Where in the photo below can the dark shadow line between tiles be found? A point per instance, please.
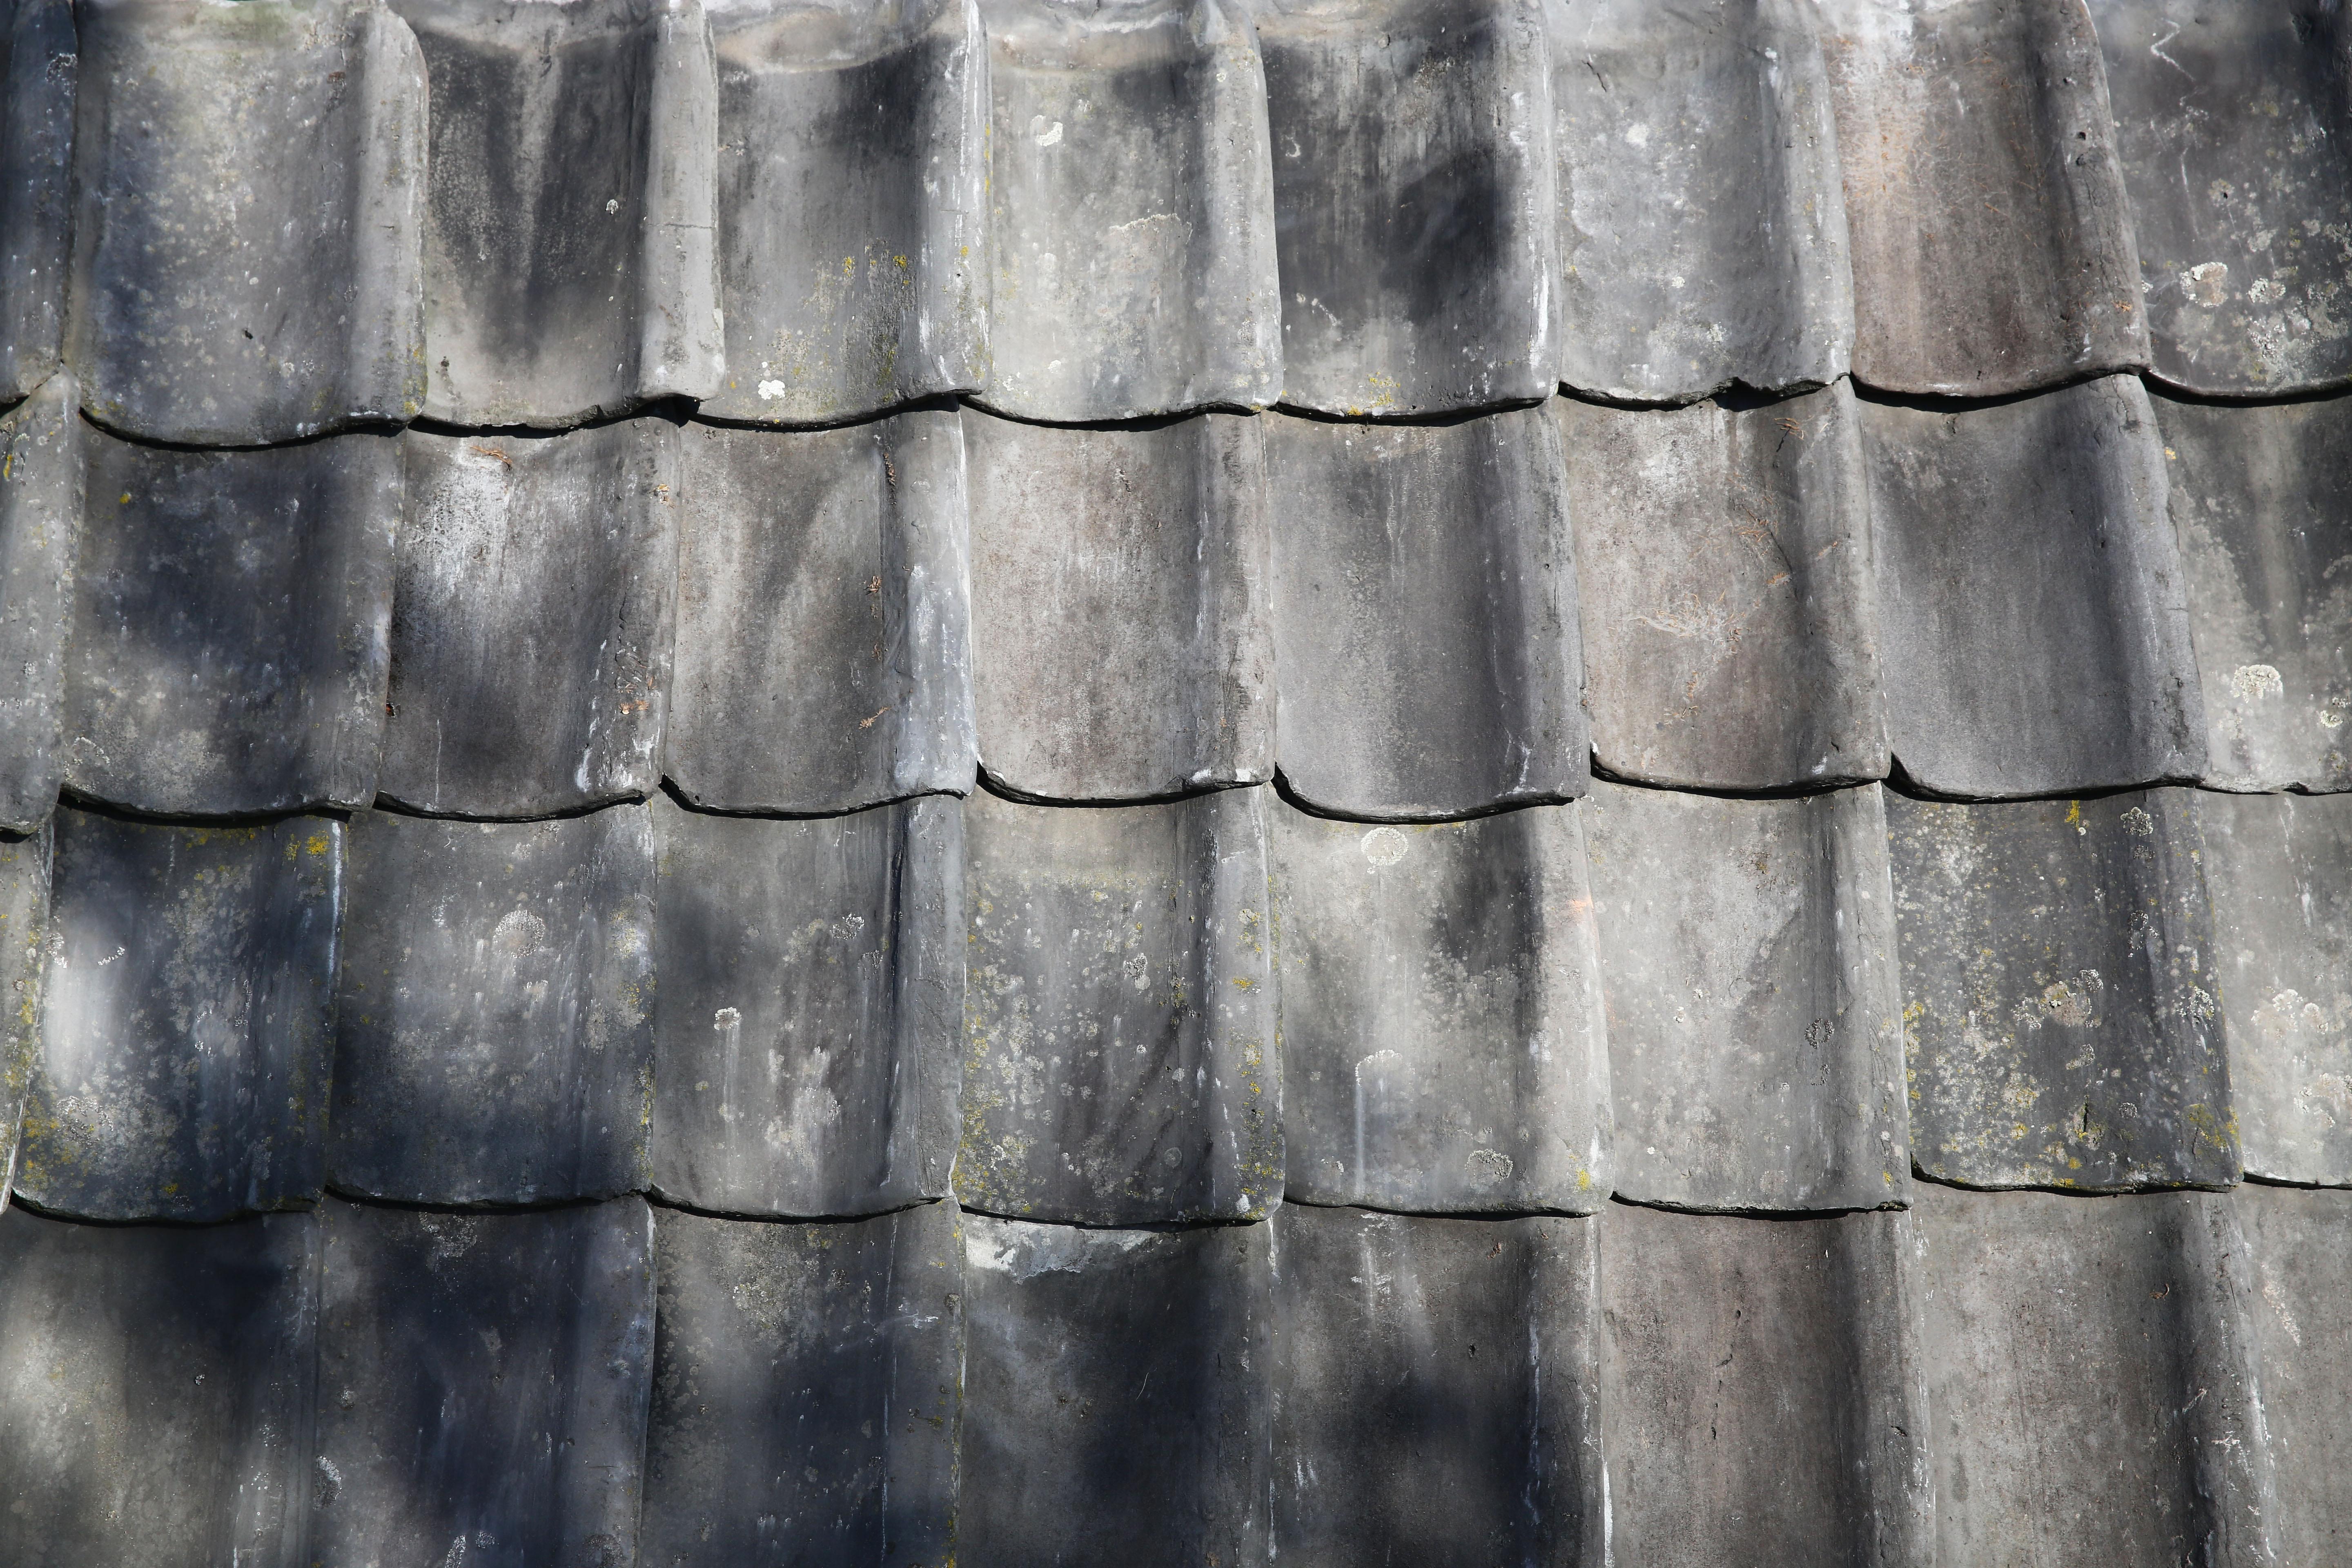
(17, 1200)
(1970, 403)
(2171, 392)
(1954, 1185)
(928, 402)
(1289, 796)
(1899, 781)
(1156, 1226)
(1657, 1205)
(991, 783)
(673, 407)
(1805, 790)
(2252, 1179)
(1731, 393)
(392, 805)
(1482, 1216)
(976, 403)
(489, 1207)
(92, 806)
(678, 798)
(1433, 419)
(662, 1200)
(388, 429)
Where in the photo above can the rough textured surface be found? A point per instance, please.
(824, 637)
(1132, 209)
(2058, 982)
(1424, 604)
(807, 1387)
(532, 620)
(482, 1386)
(1123, 1073)
(1727, 598)
(570, 268)
(230, 625)
(39, 62)
(1141, 663)
(187, 1014)
(2144, 1297)
(1992, 244)
(1702, 225)
(224, 290)
(1748, 964)
(1414, 203)
(2301, 1275)
(2280, 872)
(2232, 123)
(1117, 1394)
(156, 1392)
(808, 1024)
(40, 537)
(1764, 1398)
(1437, 1391)
(1441, 1044)
(495, 1041)
(2262, 505)
(2032, 601)
(852, 204)
(24, 938)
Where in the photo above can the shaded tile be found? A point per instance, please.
(808, 1024)
(2232, 123)
(1119, 1015)
(532, 620)
(39, 60)
(569, 264)
(483, 1381)
(1440, 1009)
(807, 1388)
(1702, 225)
(224, 291)
(2032, 607)
(1124, 648)
(24, 935)
(1438, 1390)
(187, 1019)
(1992, 244)
(231, 619)
(1131, 208)
(1412, 202)
(2300, 1276)
(494, 1041)
(1765, 1390)
(853, 167)
(156, 1385)
(2090, 1371)
(2261, 504)
(1729, 601)
(1424, 605)
(1117, 1394)
(824, 639)
(40, 541)
(1748, 958)
(2058, 994)
(2280, 870)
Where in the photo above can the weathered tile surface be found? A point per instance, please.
(39, 60)
(24, 937)
(1438, 1390)
(1992, 242)
(1117, 1394)
(569, 260)
(40, 535)
(2234, 126)
(1413, 202)
(532, 620)
(1748, 961)
(494, 1041)
(187, 1019)
(1131, 210)
(1124, 646)
(2058, 983)
(808, 1019)
(1763, 1393)
(1440, 1009)
(2280, 871)
(1120, 1062)
(2033, 607)
(2090, 1375)
(824, 635)
(225, 287)
(1701, 223)
(2262, 505)
(156, 1392)
(807, 1386)
(231, 619)
(1728, 602)
(851, 177)
(2301, 1274)
(1424, 605)
(483, 1382)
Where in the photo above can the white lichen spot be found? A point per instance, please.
(2206, 283)
(1637, 135)
(2138, 823)
(2265, 290)
(771, 390)
(1385, 846)
(1043, 135)
(2251, 681)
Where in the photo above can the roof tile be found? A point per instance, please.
(38, 58)
(40, 534)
